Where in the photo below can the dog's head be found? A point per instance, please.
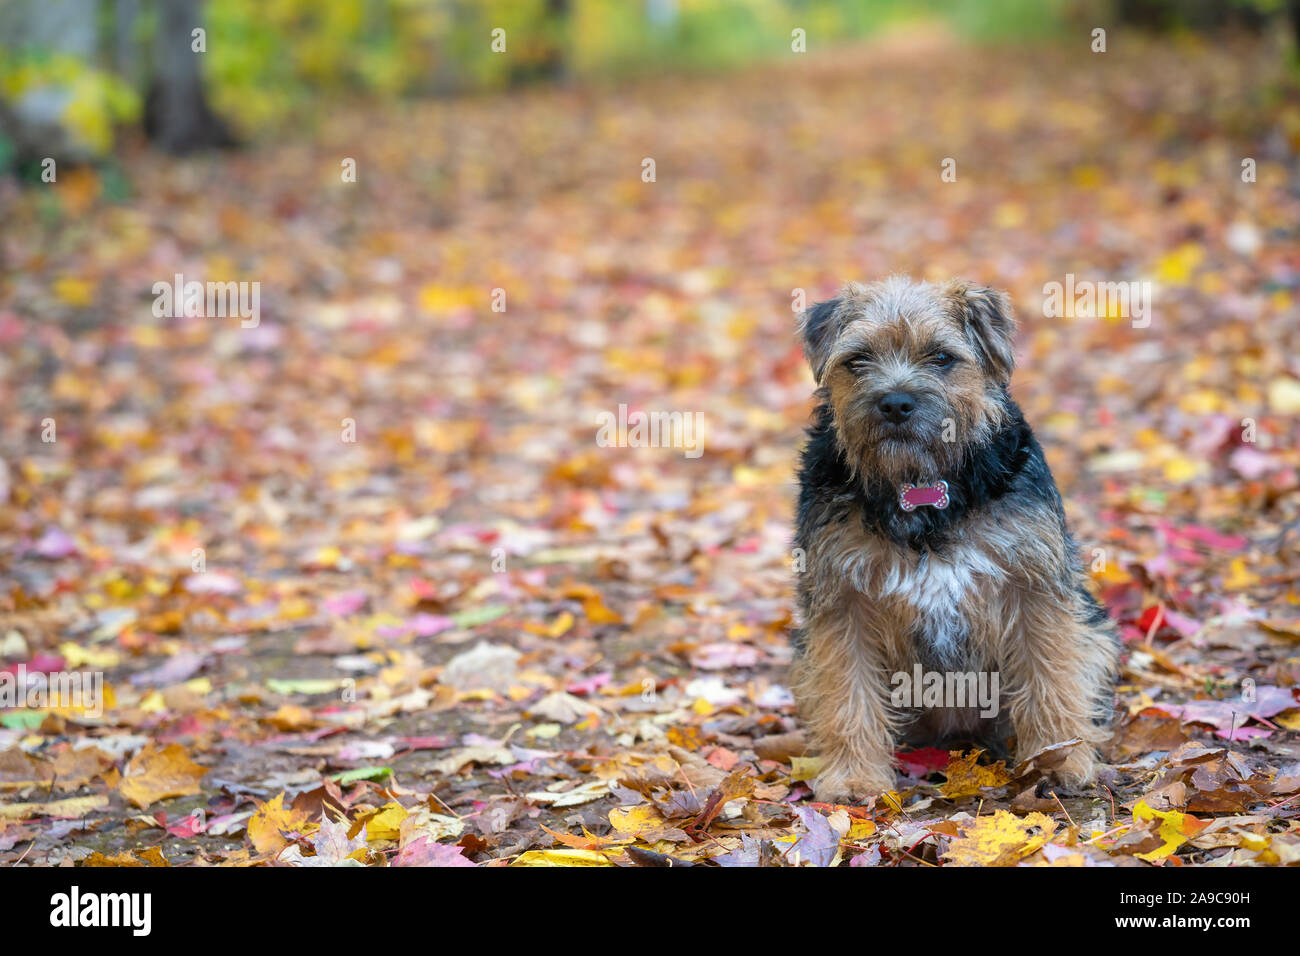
(915, 372)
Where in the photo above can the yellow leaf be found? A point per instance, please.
(1175, 828)
(1000, 839)
(62, 809)
(597, 613)
(266, 826)
(805, 768)
(438, 298)
(155, 774)
(387, 823)
(860, 829)
(147, 337)
(643, 822)
(74, 702)
(296, 608)
(1176, 267)
(966, 777)
(327, 556)
(634, 819)
(1087, 177)
(1112, 573)
(99, 658)
(1239, 576)
(560, 625)
(1284, 396)
(1201, 401)
(892, 800)
(198, 685)
(292, 717)
(1180, 469)
(566, 857)
(73, 291)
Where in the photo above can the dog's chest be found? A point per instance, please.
(932, 585)
(938, 593)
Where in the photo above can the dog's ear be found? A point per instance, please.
(990, 325)
(819, 327)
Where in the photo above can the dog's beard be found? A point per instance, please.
(915, 451)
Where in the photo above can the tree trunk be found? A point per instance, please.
(177, 117)
(127, 62)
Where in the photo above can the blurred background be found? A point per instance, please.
(465, 256)
(75, 74)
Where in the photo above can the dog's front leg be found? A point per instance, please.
(841, 690)
(1058, 665)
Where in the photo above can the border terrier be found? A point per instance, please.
(933, 533)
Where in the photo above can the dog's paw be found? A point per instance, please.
(1078, 769)
(841, 786)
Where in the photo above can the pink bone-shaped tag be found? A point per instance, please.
(910, 496)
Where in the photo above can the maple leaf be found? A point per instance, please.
(268, 826)
(1000, 839)
(156, 774)
(965, 776)
(425, 851)
(333, 848)
(565, 857)
(1175, 829)
(818, 845)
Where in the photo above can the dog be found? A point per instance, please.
(932, 533)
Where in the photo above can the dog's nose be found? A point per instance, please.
(896, 407)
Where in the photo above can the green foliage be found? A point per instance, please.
(268, 61)
(1013, 19)
(88, 101)
(269, 58)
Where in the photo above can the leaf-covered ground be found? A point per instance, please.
(473, 635)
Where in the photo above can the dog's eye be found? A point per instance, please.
(943, 359)
(858, 364)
